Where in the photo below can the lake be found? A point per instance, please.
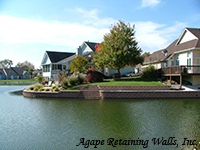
(58, 124)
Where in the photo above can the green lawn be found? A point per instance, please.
(129, 81)
(18, 80)
(125, 81)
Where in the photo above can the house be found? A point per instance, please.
(53, 62)
(181, 58)
(138, 69)
(14, 73)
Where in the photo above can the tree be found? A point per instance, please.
(146, 55)
(40, 78)
(6, 63)
(79, 64)
(119, 48)
(27, 65)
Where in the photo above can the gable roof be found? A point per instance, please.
(58, 56)
(175, 47)
(2, 72)
(14, 71)
(92, 45)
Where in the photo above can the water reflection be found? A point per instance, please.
(29, 123)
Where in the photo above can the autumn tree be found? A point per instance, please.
(146, 55)
(119, 48)
(79, 64)
(27, 65)
(6, 63)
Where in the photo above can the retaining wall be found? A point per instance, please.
(125, 92)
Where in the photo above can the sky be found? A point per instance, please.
(28, 28)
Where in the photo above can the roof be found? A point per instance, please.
(14, 71)
(92, 45)
(2, 72)
(58, 56)
(163, 54)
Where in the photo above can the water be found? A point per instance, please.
(58, 124)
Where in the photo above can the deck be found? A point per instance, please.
(181, 70)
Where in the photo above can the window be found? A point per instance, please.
(189, 61)
(64, 67)
(46, 68)
(172, 63)
(56, 67)
(177, 60)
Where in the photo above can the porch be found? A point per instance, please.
(180, 70)
(186, 71)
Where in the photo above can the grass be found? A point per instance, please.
(129, 81)
(125, 81)
(18, 80)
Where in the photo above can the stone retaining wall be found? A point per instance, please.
(130, 94)
(96, 92)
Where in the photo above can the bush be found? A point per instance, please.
(47, 89)
(94, 76)
(80, 79)
(38, 85)
(53, 87)
(35, 89)
(31, 88)
(41, 89)
(149, 72)
(73, 80)
(56, 89)
(65, 83)
(40, 78)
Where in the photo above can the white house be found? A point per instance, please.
(180, 58)
(53, 62)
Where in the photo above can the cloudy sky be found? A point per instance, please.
(30, 27)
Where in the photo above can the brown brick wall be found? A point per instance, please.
(128, 94)
(117, 92)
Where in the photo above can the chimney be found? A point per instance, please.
(79, 51)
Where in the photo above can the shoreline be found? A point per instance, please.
(18, 83)
(119, 92)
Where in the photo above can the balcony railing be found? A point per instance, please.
(183, 70)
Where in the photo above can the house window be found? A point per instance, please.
(56, 67)
(177, 60)
(172, 63)
(69, 63)
(46, 68)
(189, 62)
(64, 67)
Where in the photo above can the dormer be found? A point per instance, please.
(186, 36)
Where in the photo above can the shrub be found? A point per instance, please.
(38, 85)
(47, 89)
(149, 72)
(94, 76)
(53, 87)
(41, 89)
(56, 89)
(73, 80)
(80, 78)
(65, 83)
(40, 78)
(35, 89)
(31, 87)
